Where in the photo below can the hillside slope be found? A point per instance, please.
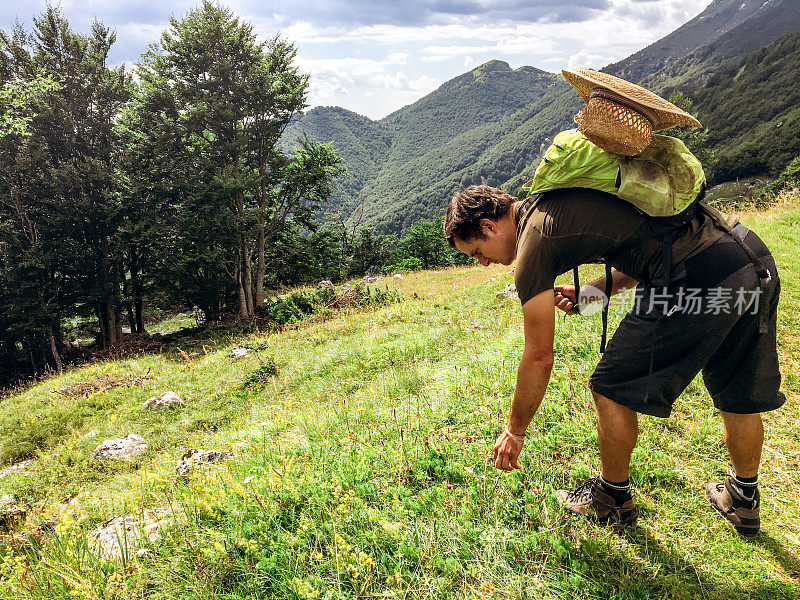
(382, 157)
(362, 143)
(358, 467)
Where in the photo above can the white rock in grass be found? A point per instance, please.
(509, 292)
(366, 280)
(239, 352)
(126, 448)
(7, 500)
(397, 276)
(14, 468)
(11, 516)
(165, 400)
(325, 283)
(195, 458)
(249, 479)
(122, 536)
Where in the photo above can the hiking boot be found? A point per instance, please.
(590, 499)
(731, 504)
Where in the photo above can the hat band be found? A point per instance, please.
(651, 116)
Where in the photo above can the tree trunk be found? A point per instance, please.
(261, 266)
(102, 319)
(247, 281)
(137, 291)
(137, 307)
(54, 350)
(30, 354)
(114, 326)
(240, 288)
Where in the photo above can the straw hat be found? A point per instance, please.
(620, 116)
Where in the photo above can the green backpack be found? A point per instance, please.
(662, 181)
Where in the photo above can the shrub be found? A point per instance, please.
(789, 177)
(403, 266)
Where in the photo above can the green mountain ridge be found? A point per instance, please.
(488, 124)
(693, 70)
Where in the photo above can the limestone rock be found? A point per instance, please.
(6, 500)
(11, 515)
(367, 279)
(397, 276)
(195, 457)
(325, 283)
(14, 468)
(165, 400)
(123, 535)
(126, 448)
(239, 352)
(509, 292)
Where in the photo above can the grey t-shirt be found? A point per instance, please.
(574, 226)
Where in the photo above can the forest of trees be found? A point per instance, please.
(160, 186)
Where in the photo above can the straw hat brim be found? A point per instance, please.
(662, 113)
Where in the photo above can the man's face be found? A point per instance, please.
(497, 245)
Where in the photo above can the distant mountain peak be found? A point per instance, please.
(492, 65)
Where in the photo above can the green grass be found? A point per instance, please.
(363, 439)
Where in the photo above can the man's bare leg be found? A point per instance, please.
(744, 438)
(608, 497)
(617, 432)
(736, 498)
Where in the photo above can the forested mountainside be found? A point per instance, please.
(375, 153)
(752, 111)
(406, 166)
(692, 71)
(729, 29)
(362, 143)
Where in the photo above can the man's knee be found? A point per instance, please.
(614, 414)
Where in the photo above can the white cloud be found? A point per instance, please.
(374, 57)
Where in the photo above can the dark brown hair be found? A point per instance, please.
(467, 208)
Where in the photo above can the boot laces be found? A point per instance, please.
(584, 490)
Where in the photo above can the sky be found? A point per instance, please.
(373, 57)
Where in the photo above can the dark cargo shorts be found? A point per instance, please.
(707, 320)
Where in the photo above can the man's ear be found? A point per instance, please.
(487, 225)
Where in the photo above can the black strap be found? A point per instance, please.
(576, 306)
(764, 276)
(667, 239)
(607, 300)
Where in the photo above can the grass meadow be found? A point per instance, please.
(360, 465)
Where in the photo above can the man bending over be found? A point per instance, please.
(716, 315)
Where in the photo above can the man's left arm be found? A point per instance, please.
(532, 377)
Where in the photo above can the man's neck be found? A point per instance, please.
(516, 207)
